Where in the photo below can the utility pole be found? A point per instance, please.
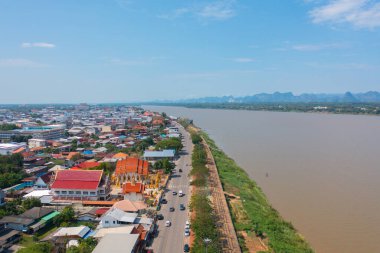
(207, 241)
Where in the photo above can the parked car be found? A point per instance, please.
(186, 248)
(171, 209)
(174, 193)
(182, 207)
(180, 170)
(187, 225)
(187, 232)
(160, 217)
(180, 193)
(168, 223)
(164, 201)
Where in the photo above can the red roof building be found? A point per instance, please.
(132, 165)
(87, 165)
(81, 184)
(129, 187)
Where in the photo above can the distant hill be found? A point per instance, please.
(289, 97)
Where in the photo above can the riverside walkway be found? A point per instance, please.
(226, 228)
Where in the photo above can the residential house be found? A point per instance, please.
(36, 143)
(112, 242)
(31, 220)
(115, 217)
(43, 182)
(8, 237)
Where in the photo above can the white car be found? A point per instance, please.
(168, 223)
(187, 225)
(180, 193)
(187, 232)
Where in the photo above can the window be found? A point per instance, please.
(57, 192)
(113, 222)
(106, 222)
(64, 192)
(85, 193)
(71, 192)
(77, 192)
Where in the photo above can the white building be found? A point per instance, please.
(8, 148)
(35, 143)
(116, 217)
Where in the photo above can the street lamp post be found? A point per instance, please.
(207, 241)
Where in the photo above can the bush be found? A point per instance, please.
(31, 202)
(171, 143)
(37, 248)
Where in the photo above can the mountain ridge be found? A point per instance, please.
(287, 97)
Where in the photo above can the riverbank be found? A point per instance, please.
(367, 109)
(255, 220)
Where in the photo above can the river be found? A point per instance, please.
(320, 171)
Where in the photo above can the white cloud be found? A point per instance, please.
(359, 13)
(19, 62)
(175, 14)
(318, 47)
(243, 60)
(37, 44)
(217, 10)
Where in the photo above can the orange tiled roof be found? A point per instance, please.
(158, 122)
(18, 150)
(88, 165)
(71, 155)
(137, 187)
(28, 154)
(132, 165)
(37, 149)
(120, 156)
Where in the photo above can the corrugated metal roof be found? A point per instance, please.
(159, 154)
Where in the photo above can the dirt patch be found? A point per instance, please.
(253, 243)
(238, 211)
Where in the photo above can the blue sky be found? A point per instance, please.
(133, 50)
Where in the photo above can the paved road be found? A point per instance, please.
(172, 239)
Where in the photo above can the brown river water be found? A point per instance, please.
(320, 171)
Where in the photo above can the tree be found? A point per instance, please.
(31, 202)
(144, 144)
(8, 127)
(11, 171)
(76, 157)
(171, 143)
(164, 164)
(74, 144)
(108, 168)
(67, 215)
(196, 138)
(85, 246)
(20, 138)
